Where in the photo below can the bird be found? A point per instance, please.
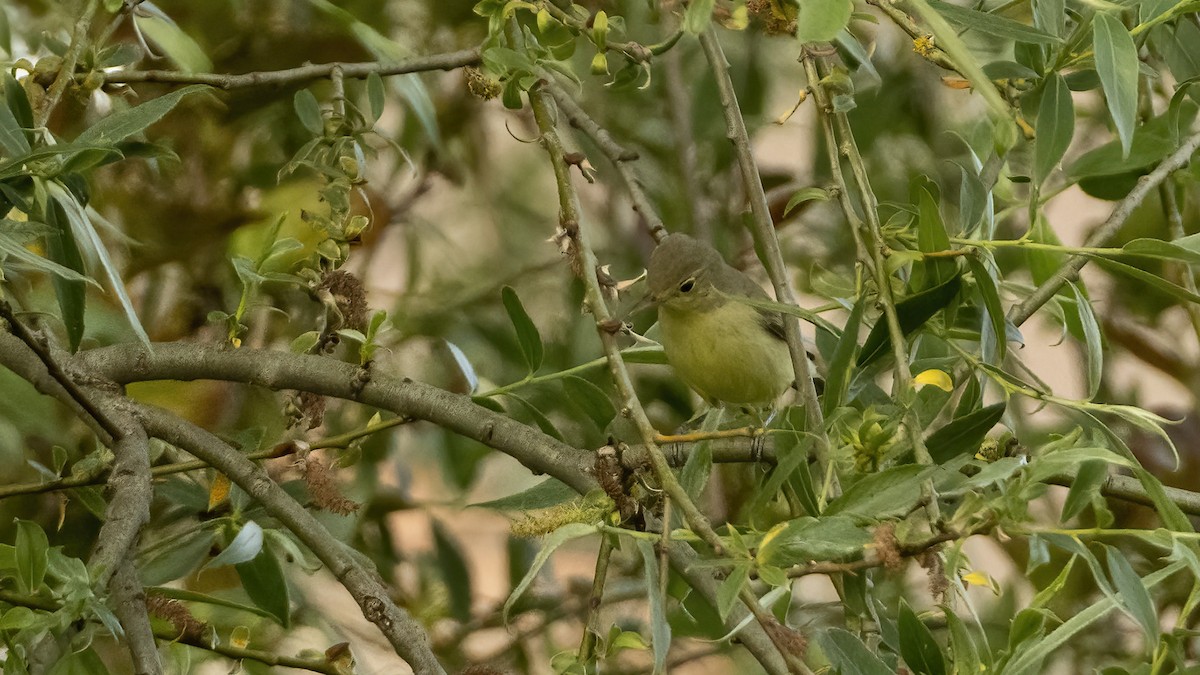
(728, 351)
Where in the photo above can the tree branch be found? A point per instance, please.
(301, 74)
(406, 636)
(1107, 230)
(66, 72)
(280, 370)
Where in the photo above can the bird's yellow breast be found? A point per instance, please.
(726, 354)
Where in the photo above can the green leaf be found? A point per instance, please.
(1184, 249)
(932, 236)
(263, 580)
(11, 247)
(1055, 127)
(555, 539)
(63, 250)
(963, 435)
(841, 364)
(731, 586)
(550, 492)
(1117, 63)
(879, 495)
(591, 400)
(32, 556)
(375, 95)
(917, 646)
(822, 20)
(528, 337)
(992, 307)
(245, 546)
(12, 136)
(453, 570)
(1093, 342)
(309, 112)
(204, 598)
(121, 125)
(183, 51)
(89, 240)
(804, 539)
(539, 418)
(660, 628)
(807, 194)
(697, 16)
(963, 651)
(992, 24)
(1133, 593)
(847, 653)
(176, 561)
(1088, 480)
(912, 312)
(1152, 280)
(1027, 659)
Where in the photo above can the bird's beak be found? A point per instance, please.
(648, 300)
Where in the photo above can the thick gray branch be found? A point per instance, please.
(283, 370)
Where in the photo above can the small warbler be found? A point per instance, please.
(726, 350)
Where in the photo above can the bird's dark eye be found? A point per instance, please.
(687, 285)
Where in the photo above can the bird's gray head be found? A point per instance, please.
(682, 272)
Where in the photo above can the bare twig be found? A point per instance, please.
(301, 74)
(618, 155)
(66, 73)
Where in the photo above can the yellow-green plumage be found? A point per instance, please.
(726, 350)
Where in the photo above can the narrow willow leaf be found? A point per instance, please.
(205, 599)
(11, 247)
(528, 337)
(375, 95)
(807, 194)
(31, 556)
(245, 546)
(918, 648)
(553, 540)
(539, 418)
(591, 399)
(87, 237)
(121, 125)
(309, 112)
(912, 313)
(550, 492)
(964, 434)
(847, 653)
(932, 236)
(1134, 596)
(992, 307)
(992, 24)
(12, 137)
(806, 538)
(822, 20)
(1184, 249)
(1152, 280)
(963, 651)
(183, 51)
(263, 580)
(63, 249)
(1055, 127)
(660, 628)
(841, 365)
(727, 592)
(1117, 64)
(453, 570)
(1086, 485)
(878, 495)
(1093, 342)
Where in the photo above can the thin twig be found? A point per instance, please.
(66, 73)
(301, 74)
(591, 625)
(618, 155)
(1175, 227)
